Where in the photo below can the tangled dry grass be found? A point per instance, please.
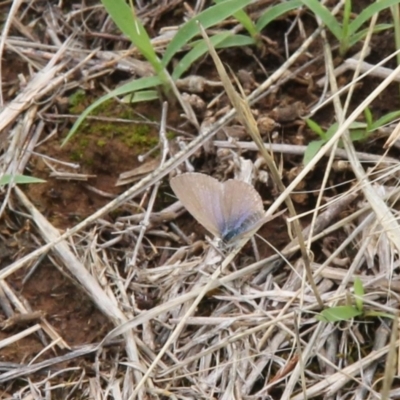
(186, 321)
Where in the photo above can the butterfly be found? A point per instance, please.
(228, 209)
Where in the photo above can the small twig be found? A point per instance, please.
(299, 150)
(21, 319)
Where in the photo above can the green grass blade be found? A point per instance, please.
(385, 119)
(209, 17)
(311, 150)
(346, 17)
(378, 314)
(339, 313)
(19, 179)
(139, 97)
(275, 12)
(198, 50)
(245, 20)
(129, 87)
(356, 125)
(355, 38)
(357, 135)
(247, 23)
(395, 10)
(236, 41)
(344, 42)
(369, 119)
(316, 128)
(220, 40)
(332, 130)
(368, 12)
(326, 16)
(359, 293)
(126, 20)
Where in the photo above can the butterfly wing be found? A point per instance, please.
(202, 196)
(242, 207)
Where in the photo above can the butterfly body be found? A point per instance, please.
(228, 210)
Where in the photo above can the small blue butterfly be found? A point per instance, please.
(228, 210)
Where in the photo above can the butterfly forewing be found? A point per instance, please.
(202, 197)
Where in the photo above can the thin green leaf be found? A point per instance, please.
(126, 20)
(139, 84)
(236, 41)
(244, 19)
(369, 12)
(247, 23)
(19, 179)
(331, 131)
(272, 13)
(312, 150)
(139, 97)
(358, 287)
(220, 41)
(359, 293)
(358, 134)
(346, 17)
(385, 119)
(378, 314)
(368, 117)
(340, 313)
(209, 17)
(361, 34)
(198, 50)
(344, 42)
(316, 128)
(358, 125)
(326, 16)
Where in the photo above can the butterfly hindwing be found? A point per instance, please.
(242, 206)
